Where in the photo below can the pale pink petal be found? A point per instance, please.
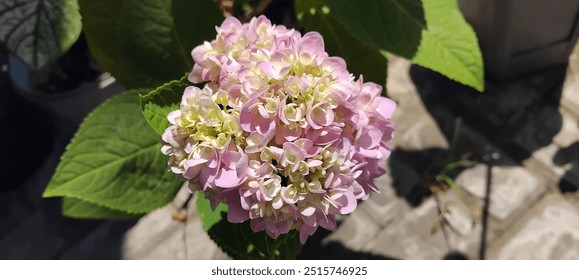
(348, 203)
(385, 107)
(235, 213)
(326, 135)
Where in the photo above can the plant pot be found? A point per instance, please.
(70, 88)
(518, 37)
(72, 105)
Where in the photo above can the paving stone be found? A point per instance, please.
(419, 233)
(158, 236)
(415, 128)
(410, 236)
(418, 133)
(564, 176)
(513, 188)
(569, 133)
(554, 160)
(355, 231)
(570, 94)
(550, 231)
(384, 207)
(462, 224)
(386, 225)
(399, 82)
(541, 163)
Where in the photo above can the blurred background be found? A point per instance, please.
(491, 175)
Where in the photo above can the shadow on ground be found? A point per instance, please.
(32, 227)
(503, 126)
(316, 249)
(568, 155)
(501, 116)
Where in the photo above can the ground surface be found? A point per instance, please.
(519, 201)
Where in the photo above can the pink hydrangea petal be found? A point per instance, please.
(169, 138)
(368, 140)
(306, 231)
(173, 115)
(312, 47)
(337, 67)
(308, 211)
(386, 107)
(290, 134)
(207, 177)
(227, 178)
(277, 203)
(257, 225)
(348, 203)
(280, 122)
(269, 69)
(327, 221)
(196, 75)
(230, 24)
(291, 150)
(193, 168)
(235, 213)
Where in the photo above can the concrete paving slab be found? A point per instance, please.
(513, 188)
(549, 231)
(158, 236)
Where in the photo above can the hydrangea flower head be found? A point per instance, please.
(282, 133)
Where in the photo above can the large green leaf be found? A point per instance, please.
(157, 104)
(433, 33)
(115, 161)
(100, 23)
(145, 43)
(76, 208)
(39, 31)
(239, 241)
(158, 36)
(314, 15)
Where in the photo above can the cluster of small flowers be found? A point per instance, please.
(282, 133)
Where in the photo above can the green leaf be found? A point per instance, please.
(452, 184)
(239, 241)
(76, 208)
(433, 33)
(206, 214)
(314, 15)
(157, 104)
(155, 47)
(39, 31)
(115, 161)
(145, 43)
(100, 23)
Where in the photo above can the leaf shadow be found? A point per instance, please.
(507, 124)
(568, 156)
(316, 249)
